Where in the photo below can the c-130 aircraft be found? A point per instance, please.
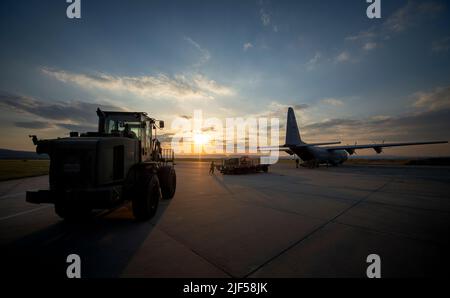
(314, 154)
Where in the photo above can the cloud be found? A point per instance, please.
(210, 86)
(302, 106)
(442, 45)
(276, 109)
(427, 125)
(428, 121)
(368, 46)
(412, 14)
(363, 35)
(247, 46)
(437, 99)
(81, 127)
(312, 63)
(401, 19)
(33, 124)
(331, 124)
(208, 129)
(332, 101)
(72, 115)
(179, 87)
(265, 17)
(343, 57)
(205, 55)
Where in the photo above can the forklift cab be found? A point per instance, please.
(136, 125)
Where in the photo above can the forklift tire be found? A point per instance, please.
(168, 180)
(146, 199)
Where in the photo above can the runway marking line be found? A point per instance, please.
(320, 227)
(23, 213)
(12, 195)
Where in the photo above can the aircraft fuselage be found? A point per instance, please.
(313, 154)
(321, 155)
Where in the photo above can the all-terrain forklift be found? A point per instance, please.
(123, 161)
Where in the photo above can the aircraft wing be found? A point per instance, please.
(290, 147)
(314, 144)
(378, 147)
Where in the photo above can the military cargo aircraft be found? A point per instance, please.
(315, 154)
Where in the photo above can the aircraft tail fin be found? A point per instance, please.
(292, 131)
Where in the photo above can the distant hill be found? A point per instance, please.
(14, 154)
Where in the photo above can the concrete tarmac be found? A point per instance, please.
(286, 223)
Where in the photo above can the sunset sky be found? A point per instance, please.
(348, 77)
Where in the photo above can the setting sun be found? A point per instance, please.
(201, 139)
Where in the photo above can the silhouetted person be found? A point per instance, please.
(157, 150)
(211, 168)
(297, 162)
(128, 132)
